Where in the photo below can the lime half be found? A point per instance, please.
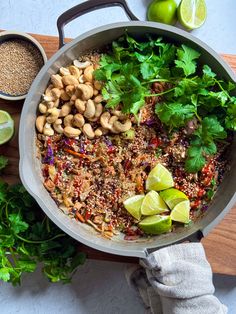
(181, 211)
(172, 197)
(133, 205)
(159, 179)
(192, 13)
(6, 127)
(153, 204)
(156, 224)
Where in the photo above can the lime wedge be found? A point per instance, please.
(6, 127)
(172, 197)
(133, 205)
(156, 224)
(192, 13)
(159, 179)
(153, 204)
(181, 211)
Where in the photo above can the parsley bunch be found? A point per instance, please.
(131, 68)
(27, 237)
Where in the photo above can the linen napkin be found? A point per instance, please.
(176, 280)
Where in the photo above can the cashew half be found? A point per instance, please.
(65, 96)
(70, 89)
(122, 127)
(78, 120)
(43, 108)
(90, 109)
(57, 126)
(53, 115)
(69, 80)
(40, 122)
(65, 109)
(104, 120)
(81, 65)
(74, 71)
(71, 132)
(98, 99)
(80, 105)
(64, 71)
(98, 132)
(56, 80)
(88, 131)
(88, 74)
(48, 130)
(68, 120)
(87, 91)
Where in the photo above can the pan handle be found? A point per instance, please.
(87, 7)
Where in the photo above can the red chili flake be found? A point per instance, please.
(201, 192)
(127, 164)
(195, 204)
(87, 214)
(111, 149)
(45, 171)
(155, 142)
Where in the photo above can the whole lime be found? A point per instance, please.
(162, 11)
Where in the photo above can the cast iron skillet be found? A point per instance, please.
(30, 166)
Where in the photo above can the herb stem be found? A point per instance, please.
(159, 94)
(42, 241)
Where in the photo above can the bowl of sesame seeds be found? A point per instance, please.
(21, 58)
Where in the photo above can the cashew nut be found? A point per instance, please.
(112, 120)
(122, 127)
(48, 90)
(65, 109)
(57, 126)
(97, 85)
(68, 120)
(90, 109)
(87, 91)
(98, 132)
(95, 92)
(81, 79)
(71, 132)
(121, 116)
(64, 71)
(40, 122)
(69, 80)
(48, 130)
(53, 115)
(88, 131)
(88, 74)
(74, 71)
(98, 99)
(104, 120)
(56, 93)
(43, 108)
(80, 105)
(99, 109)
(78, 120)
(81, 65)
(70, 89)
(64, 95)
(56, 80)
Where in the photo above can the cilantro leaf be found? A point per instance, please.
(175, 114)
(186, 59)
(203, 143)
(230, 120)
(3, 162)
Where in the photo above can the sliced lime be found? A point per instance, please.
(133, 205)
(192, 13)
(181, 211)
(153, 204)
(172, 197)
(156, 224)
(159, 179)
(6, 127)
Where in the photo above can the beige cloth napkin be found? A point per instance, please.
(176, 280)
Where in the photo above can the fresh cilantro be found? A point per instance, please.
(28, 237)
(186, 59)
(230, 119)
(3, 162)
(203, 143)
(175, 114)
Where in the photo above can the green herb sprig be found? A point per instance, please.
(129, 71)
(28, 237)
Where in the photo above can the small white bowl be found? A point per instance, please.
(6, 35)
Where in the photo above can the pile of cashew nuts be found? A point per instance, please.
(73, 102)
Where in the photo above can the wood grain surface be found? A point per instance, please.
(220, 244)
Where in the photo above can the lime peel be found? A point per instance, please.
(6, 127)
(156, 224)
(153, 204)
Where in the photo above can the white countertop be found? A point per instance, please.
(100, 287)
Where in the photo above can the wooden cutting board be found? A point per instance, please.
(220, 244)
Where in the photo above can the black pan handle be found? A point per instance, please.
(87, 7)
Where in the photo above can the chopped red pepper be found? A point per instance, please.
(196, 204)
(87, 214)
(201, 192)
(80, 217)
(155, 142)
